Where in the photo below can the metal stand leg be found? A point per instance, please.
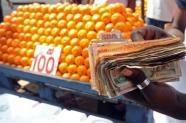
(47, 93)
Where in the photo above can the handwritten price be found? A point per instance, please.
(46, 59)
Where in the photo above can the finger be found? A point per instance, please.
(137, 35)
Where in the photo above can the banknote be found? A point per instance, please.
(158, 59)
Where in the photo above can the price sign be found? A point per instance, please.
(46, 59)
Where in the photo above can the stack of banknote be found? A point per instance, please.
(159, 59)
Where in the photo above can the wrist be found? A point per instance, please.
(143, 84)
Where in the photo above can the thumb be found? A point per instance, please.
(136, 76)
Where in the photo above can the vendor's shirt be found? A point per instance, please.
(162, 10)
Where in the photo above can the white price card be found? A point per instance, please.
(46, 59)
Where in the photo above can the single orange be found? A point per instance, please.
(89, 25)
(30, 53)
(86, 18)
(100, 26)
(61, 24)
(109, 27)
(63, 32)
(79, 25)
(74, 41)
(63, 67)
(66, 75)
(55, 31)
(91, 35)
(84, 43)
(81, 70)
(86, 62)
(84, 78)
(65, 40)
(117, 17)
(72, 68)
(75, 76)
(76, 50)
(69, 59)
(79, 60)
(57, 40)
(85, 52)
(78, 17)
(71, 24)
(67, 49)
(106, 17)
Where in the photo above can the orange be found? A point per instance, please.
(67, 9)
(15, 43)
(38, 15)
(61, 24)
(19, 28)
(96, 17)
(26, 14)
(85, 52)
(81, 70)
(86, 18)
(17, 60)
(86, 62)
(32, 15)
(71, 24)
(42, 39)
(61, 15)
(57, 40)
(79, 60)
(15, 35)
(63, 32)
(33, 30)
(82, 33)
(75, 76)
(10, 58)
(74, 9)
(84, 78)
(35, 37)
(10, 50)
(26, 21)
(117, 17)
(65, 40)
(122, 27)
(84, 9)
(106, 17)
(47, 31)
(26, 28)
(77, 17)
(72, 68)
(99, 26)
(67, 49)
(5, 57)
(84, 42)
(55, 31)
(62, 57)
(76, 50)
(2, 32)
(79, 25)
(89, 25)
(24, 61)
(46, 17)
(22, 52)
(29, 44)
(41, 30)
(69, 59)
(30, 53)
(27, 36)
(9, 41)
(91, 35)
(66, 75)
(16, 50)
(74, 41)
(2, 40)
(52, 16)
(32, 22)
(22, 44)
(49, 39)
(47, 24)
(109, 27)
(72, 33)
(63, 67)
(69, 17)
(53, 23)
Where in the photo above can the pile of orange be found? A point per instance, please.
(69, 26)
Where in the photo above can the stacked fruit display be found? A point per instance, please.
(69, 26)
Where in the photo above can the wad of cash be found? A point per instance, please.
(159, 59)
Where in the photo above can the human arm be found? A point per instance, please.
(157, 96)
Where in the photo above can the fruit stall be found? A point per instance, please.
(71, 28)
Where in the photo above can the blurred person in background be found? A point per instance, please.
(168, 99)
(160, 12)
(1, 9)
